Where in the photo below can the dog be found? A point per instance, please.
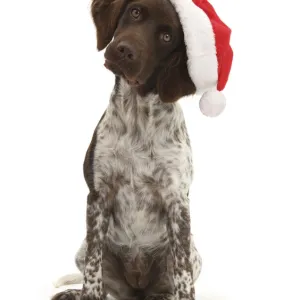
(138, 167)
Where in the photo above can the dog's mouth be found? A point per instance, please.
(113, 67)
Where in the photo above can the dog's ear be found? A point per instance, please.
(174, 80)
(106, 14)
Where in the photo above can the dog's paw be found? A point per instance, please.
(160, 297)
(89, 297)
(68, 295)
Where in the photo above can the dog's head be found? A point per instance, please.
(148, 47)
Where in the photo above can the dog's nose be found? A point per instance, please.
(126, 51)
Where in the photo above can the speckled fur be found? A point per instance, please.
(138, 169)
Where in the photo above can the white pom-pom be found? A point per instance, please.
(212, 103)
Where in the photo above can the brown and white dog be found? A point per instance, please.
(138, 166)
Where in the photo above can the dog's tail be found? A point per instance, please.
(69, 279)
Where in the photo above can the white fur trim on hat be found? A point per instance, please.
(212, 103)
(200, 44)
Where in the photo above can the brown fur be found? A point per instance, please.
(160, 68)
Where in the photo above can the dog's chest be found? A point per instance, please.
(142, 148)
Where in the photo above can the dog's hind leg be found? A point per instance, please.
(196, 260)
(78, 277)
(80, 257)
(73, 294)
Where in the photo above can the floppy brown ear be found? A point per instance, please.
(105, 14)
(174, 81)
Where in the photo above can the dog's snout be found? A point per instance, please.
(124, 57)
(126, 51)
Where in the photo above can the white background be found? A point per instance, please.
(246, 192)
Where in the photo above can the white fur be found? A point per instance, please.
(129, 156)
(200, 43)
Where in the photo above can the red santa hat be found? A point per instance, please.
(209, 53)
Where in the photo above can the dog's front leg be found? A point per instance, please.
(178, 226)
(99, 206)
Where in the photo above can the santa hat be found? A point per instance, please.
(209, 53)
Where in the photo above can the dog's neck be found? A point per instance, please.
(143, 116)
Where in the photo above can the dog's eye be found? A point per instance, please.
(166, 37)
(135, 13)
